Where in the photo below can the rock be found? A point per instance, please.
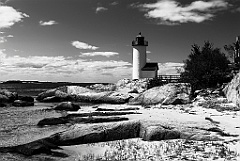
(103, 88)
(96, 133)
(32, 148)
(26, 98)
(152, 133)
(136, 86)
(67, 106)
(23, 101)
(3, 98)
(81, 94)
(74, 120)
(232, 90)
(117, 109)
(53, 121)
(20, 103)
(7, 96)
(173, 93)
(53, 95)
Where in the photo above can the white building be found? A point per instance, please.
(142, 69)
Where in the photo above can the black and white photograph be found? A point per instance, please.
(119, 80)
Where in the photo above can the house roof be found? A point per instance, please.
(150, 67)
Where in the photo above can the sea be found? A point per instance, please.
(18, 125)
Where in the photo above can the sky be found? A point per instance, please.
(90, 40)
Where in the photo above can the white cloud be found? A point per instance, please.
(83, 45)
(48, 23)
(171, 12)
(60, 68)
(100, 9)
(9, 16)
(148, 52)
(107, 54)
(3, 39)
(114, 3)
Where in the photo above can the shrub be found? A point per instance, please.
(206, 67)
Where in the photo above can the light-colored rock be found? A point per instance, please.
(232, 90)
(128, 85)
(172, 93)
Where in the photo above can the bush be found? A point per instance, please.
(206, 67)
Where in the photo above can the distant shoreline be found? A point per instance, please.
(33, 88)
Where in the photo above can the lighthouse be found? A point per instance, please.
(142, 69)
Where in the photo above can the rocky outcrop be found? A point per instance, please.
(81, 94)
(147, 130)
(67, 106)
(232, 90)
(132, 86)
(173, 93)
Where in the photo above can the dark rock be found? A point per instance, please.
(26, 98)
(36, 147)
(4, 98)
(154, 133)
(67, 106)
(53, 121)
(20, 103)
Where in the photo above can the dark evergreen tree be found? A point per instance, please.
(206, 67)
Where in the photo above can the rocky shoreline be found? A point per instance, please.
(131, 110)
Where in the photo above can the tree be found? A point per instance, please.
(206, 67)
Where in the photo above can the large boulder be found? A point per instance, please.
(232, 90)
(172, 93)
(67, 106)
(57, 93)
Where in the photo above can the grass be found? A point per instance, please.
(136, 149)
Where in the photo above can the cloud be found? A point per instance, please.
(3, 39)
(148, 52)
(9, 16)
(47, 23)
(171, 12)
(83, 45)
(106, 54)
(60, 68)
(114, 3)
(101, 9)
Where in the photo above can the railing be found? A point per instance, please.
(169, 78)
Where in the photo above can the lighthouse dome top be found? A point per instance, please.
(139, 41)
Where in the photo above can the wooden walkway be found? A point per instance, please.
(169, 78)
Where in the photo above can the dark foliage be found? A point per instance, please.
(206, 67)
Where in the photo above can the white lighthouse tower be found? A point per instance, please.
(139, 56)
(141, 69)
